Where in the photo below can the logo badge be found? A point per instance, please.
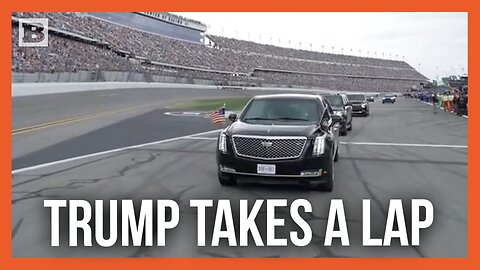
(33, 32)
(267, 144)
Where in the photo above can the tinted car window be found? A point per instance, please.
(297, 110)
(356, 97)
(335, 101)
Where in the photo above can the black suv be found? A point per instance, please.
(359, 103)
(342, 111)
(280, 138)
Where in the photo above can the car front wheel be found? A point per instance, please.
(343, 129)
(327, 186)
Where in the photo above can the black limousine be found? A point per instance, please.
(280, 138)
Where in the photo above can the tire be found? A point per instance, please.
(328, 185)
(226, 180)
(343, 130)
(335, 158)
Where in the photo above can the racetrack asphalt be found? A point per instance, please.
(401, 150)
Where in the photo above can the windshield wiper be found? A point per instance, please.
(257, 118)
(291, 118)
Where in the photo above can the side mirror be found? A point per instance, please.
(232, 117)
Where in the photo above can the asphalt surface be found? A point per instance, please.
(398, 152)
(81, 113)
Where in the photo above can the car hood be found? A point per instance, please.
(242, 128)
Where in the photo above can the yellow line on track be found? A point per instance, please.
(74, 119)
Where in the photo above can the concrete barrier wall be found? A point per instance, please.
(81, 76)
(47, 83)
(30, 89)
(102, 76)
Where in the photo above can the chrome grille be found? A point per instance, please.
(269, 148)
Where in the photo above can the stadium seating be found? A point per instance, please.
(258, 63)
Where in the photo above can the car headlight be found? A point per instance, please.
(222, 143)
(319, 145)
(339, 113)
(364, 105)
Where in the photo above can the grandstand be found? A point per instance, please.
(174, 48)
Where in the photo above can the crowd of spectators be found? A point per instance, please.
(249, 46)
(230, 56)
(336, 83)
(454, 101)
(65, 54)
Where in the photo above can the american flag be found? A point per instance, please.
(218, 117)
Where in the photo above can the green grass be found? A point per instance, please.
(232, 104)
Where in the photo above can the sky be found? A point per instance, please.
(434, 43)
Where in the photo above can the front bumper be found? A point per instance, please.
(359, 110)
(308, 169)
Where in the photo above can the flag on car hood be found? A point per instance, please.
(218, 117)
